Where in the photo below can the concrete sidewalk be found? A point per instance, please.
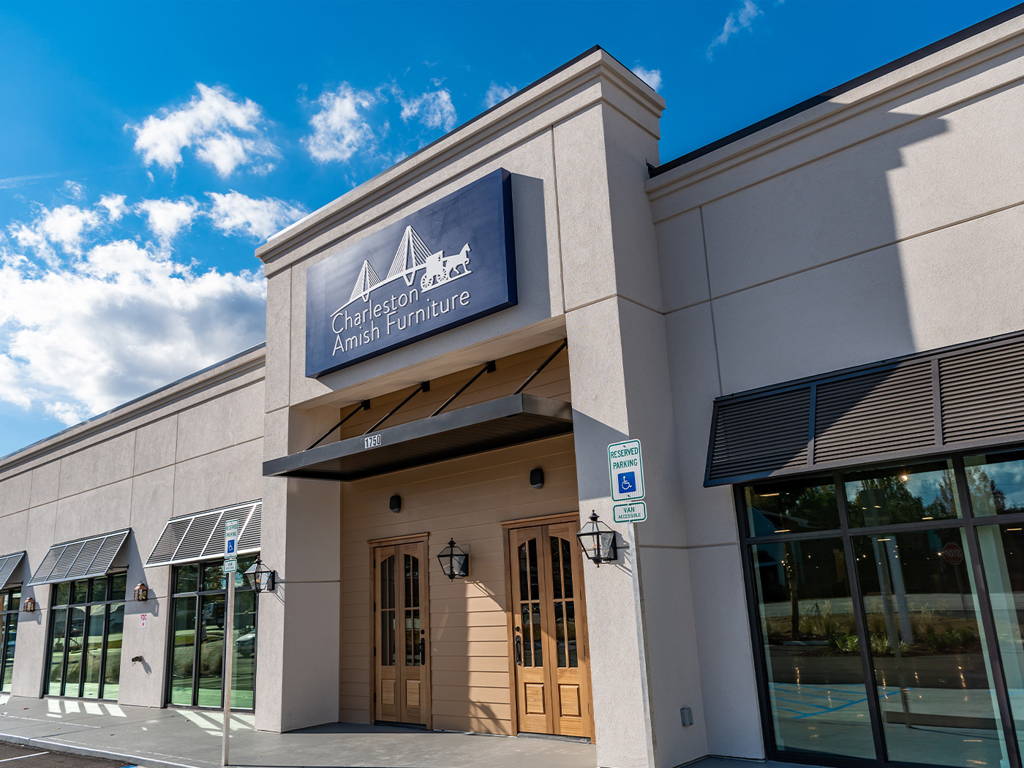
(179, 738)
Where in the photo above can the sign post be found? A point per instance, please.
(230, 569)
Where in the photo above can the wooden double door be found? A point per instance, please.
(401, 642)
(549, 631)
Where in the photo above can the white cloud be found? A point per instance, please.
(224, 132)
(166, 218)
(114, 206)
(340, 127)
(496, 93)
(238, 214)
(740, 19)
(131, 319)
(74, 190)
(650, 76)
(64, 226)
(434, 109)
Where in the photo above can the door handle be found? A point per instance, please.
(519, 650)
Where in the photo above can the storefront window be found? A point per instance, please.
(86, 628)
(902, 495)
(878, 639)
(198, 630)
(10, 604)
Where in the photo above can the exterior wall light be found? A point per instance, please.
(537, 477)
(454, 561)
(395, 503)
(29, 605)
(141, 592)
(259, 577)
(598, 541)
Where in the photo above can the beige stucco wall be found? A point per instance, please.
(885, 221)
(194, 446)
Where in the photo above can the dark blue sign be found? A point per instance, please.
(445, 265)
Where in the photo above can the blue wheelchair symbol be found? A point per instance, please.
(627, 482)
(231, 546)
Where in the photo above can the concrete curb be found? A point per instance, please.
(130, 761)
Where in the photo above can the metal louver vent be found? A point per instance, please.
(8, 565)
(879, 412)
(201, 535)
(982, 393)
(80, 559)
(762, 435)
(960, 398)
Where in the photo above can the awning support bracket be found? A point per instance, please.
(363, 406)
(542, 366)
(424, 386)
(489, 367)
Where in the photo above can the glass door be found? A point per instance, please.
(10, 604)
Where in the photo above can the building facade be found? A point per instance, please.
(813, 328)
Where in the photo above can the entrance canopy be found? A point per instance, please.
(80, 559)
(8, 565)
(499, 423)
(200, 535)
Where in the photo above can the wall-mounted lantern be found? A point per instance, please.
(598, 541)
(537, 477)
(29, 605)
(260, 578)
(454, 561)
(395, 503)
(141, 592)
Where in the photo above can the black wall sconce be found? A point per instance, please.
(395, 503)
(259, 577)
(454, 561)
(141, 592)
(29, 605)
(598, 541)
(537, 477)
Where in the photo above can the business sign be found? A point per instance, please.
(231, 546)
(447, 264)
(633, 512)
(626, 470)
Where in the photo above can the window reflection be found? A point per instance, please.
(815, 674)
(791, 507)
(996, 483)
(902, 495)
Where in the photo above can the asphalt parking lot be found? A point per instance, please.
(27, 757)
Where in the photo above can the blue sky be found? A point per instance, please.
(146, 149)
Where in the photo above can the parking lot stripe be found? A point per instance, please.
(23, 757)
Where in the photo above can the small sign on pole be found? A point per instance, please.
(634, 512)
(626, 470)
(230, 569)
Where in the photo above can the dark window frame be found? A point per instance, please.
(6, 614)
(197, 595)
(109, 601)
(967, 521)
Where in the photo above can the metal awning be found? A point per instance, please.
(201, 534)
(80, 559)
(8, 565)
(499, 423)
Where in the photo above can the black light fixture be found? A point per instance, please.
(598, 541)
(395, 503)
(259, 577)
(454, 561)
(537, 477)
(141, 592)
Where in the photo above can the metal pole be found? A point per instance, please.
(229, 647)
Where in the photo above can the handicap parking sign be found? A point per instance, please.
(626, 470)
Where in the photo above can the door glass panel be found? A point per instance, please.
(186, 578)
(931, 667)
(211, 651)
(996, 483)
(1002, 552)
(529, 605)
(561, 580)
(93, 653)
(7, 673)
(183, 650)
(815, 674)
(792, 506)
(76, 649)
(903, 495)
(243, 669)
(112, 669)
(57, 651)
(414, 639)
(387, 612)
